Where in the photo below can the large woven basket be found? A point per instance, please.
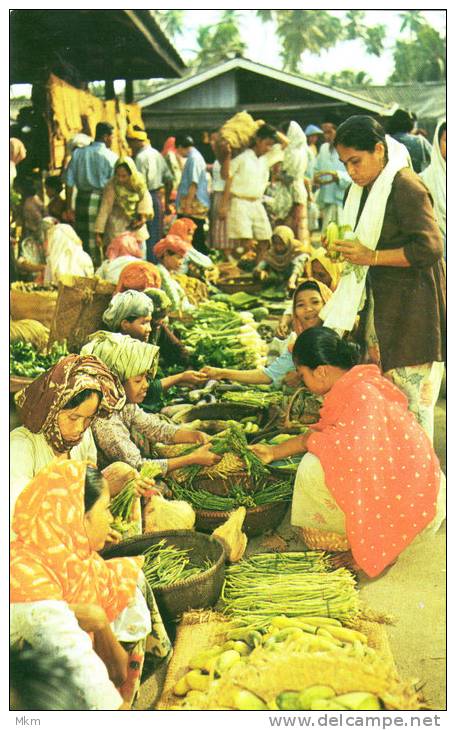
(200, 591)
(257, 519)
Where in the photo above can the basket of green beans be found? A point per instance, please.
(185, 569)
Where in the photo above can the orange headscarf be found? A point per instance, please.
(183, 228)
(172, 243)
(139, 275)
(51, 557)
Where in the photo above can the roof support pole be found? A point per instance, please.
(109, 89)
(129, 92)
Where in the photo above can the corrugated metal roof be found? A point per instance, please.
(426, 100)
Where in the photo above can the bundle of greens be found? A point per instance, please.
(237, 497)
(254, 398)
(122, 504)
(27, 362)
(288, 584)
(165, 565)
(222, 338)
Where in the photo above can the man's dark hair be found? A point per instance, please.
(54, 182)
(184, 140)
(401, 121)
(266, 131)
(103, 129)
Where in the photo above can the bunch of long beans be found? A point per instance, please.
(122, 504)
(165, 565)
(237, 496)
(292, 584)
(254, 398)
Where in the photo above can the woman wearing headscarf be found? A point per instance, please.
(171, 252)
(134, 362)
(123, 250)
(290, 194)
(435, 178)
(67, 599)
(285, 258)
(56, 411)
(195, 263)
(394, 272)
(308, 300)
(130, 313)
(126, 205)
(64, 254)
(139, 275)
(174, 161)
(18, 153)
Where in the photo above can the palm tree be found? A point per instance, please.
(221, 41)
(172, 21)
(413, 20)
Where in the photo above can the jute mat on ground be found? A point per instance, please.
(199, 630)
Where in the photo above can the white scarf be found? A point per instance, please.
(435, 178)
(341, 310)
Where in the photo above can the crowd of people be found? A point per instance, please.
(365, 332)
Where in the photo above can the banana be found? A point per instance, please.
(181, 687)
(332, 235)
(226, 660)
(312, 694)
(283, 622)
(199, 660)
(359, 701)
(327, 635)
(325, 705)
(240, 646)
(350, 635)
(245, 700)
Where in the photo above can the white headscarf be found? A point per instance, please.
(435, 178)
(341, 310)
(65, 254)
(127, 304)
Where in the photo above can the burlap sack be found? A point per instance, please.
(80, 305)
(39, 305)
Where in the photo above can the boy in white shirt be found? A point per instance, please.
(248, 174)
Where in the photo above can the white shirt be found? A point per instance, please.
(251, 173)
(152, 165)
(218, 184)
(53, 627)
(30, 452)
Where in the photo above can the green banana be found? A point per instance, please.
(288, 701)
(312, 694)
(359, 701)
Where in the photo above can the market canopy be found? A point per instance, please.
(89, 45)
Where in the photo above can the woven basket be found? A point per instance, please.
(257, 519)
(310, 415)
(200, 591)
(222, 412)
(324, 540)
(39, 305)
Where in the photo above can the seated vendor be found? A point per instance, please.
(56, 411)
(68, 601)
(130, 313)
(171, 252)
(134, 362)
(284, 259)
(309, 298)
(371, 481)
(195, 263)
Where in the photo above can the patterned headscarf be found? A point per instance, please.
(183, 228)
(280, 261)
(139, 275)
(171, 243)
(126, 244)
(129, 197)
(41, 402)
(127, 304)
(51, 557)
(122, 354)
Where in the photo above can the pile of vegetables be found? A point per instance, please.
(27, 362)
(254, 398)
(222, 338)
(29, 330)
(30, 286)
(292, 584)
(121, 505)
(165, 565)
(238, 496)
(232, 444)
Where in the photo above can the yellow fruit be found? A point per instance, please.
(226, 660)
(339, 632)
(181, 687)
(359, 701)
(196, 680)
(312, 694)
(245, 700)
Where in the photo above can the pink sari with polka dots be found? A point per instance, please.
(379, 465)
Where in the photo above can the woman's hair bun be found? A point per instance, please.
(348, 353)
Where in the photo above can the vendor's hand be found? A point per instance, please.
(292, 379)
(283, 328)
(213, 373)
(144, 487)
(355, 252)
(263, 452)
(90, 617)
(193, 377)
(204, 456)
(184, 436)
(113, 537)
(260, 275)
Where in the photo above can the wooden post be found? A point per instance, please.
(109, 89)
(129, 91)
